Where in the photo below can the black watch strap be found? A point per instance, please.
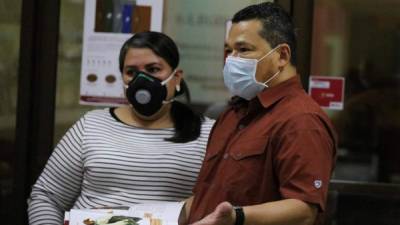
(239, 215)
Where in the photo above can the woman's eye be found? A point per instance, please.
(130, 72)
(153, 70)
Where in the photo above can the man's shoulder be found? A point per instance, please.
(300, 103)
(300, 111)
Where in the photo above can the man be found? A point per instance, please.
(272, 152)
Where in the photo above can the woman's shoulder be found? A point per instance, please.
(208, 121)
(207, 125)
(103, 113)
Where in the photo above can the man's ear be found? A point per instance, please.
(284, 55)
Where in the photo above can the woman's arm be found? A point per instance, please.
(59, 184)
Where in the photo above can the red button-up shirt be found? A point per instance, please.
(280, 145)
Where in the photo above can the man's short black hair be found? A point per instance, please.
(277, 26)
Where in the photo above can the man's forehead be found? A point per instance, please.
(244, 32)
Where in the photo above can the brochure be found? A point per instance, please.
(158, 213)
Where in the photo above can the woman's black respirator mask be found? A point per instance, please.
(146, 93)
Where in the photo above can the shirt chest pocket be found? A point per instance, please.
(250, 155)
(214, 154)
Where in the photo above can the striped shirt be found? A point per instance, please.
(101, 162)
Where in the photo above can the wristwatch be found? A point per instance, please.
(239, 215)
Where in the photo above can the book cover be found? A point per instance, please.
(162, 213)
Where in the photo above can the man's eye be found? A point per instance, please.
(228, 51)
(243, 49)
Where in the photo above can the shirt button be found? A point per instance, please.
(226, 155)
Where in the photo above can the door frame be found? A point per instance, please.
(302, 16)
(37, 75)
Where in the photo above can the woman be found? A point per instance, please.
(150, 150)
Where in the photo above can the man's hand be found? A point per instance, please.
(222, 215)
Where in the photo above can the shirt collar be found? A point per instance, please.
(273, 94)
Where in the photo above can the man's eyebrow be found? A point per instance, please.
(240, 43)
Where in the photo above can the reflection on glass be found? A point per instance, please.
(361, 42)
(9, 56)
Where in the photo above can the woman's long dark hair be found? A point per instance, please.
(187, 122)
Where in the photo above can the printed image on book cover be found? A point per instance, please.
(160, 213)
(121, 16)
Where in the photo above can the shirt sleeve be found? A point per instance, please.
(305, 159)
(59, 184)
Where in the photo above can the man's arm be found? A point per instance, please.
(285, 212)
(288, 211)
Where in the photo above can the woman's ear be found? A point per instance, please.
(284, 55)
(178, 76)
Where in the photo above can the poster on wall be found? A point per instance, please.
(327, 91)
(107, 25)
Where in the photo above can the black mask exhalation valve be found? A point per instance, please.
(147, 93)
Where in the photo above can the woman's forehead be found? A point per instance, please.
(142, 56)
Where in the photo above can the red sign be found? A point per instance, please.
(328, 92)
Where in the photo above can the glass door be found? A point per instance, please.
(360, 41)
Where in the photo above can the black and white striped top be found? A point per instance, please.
(103, 162)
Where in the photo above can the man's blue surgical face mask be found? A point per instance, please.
(240, 76)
